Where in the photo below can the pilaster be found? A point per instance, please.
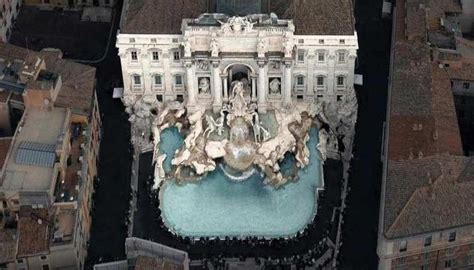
(262, 90)
(287, 82)
(217, 102)
(191, 103)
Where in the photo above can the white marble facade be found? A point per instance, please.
(197, 67)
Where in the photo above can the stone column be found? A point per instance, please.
(217, 102)
(262, 103)
(288, 82)
(254, 89)
(190, 85)
(226, 91)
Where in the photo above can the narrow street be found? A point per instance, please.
(361, 219)
(112, 191)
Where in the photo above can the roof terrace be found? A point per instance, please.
(31, 164)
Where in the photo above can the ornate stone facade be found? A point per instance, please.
(277, 68)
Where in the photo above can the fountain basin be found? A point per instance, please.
(218, 206)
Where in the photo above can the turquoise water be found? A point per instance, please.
(216, 206)
(170, 141)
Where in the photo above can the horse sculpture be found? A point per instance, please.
(214, 125)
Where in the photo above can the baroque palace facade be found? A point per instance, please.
(193, 51)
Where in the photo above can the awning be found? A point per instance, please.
(118, 92)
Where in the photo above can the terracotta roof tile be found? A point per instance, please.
(4, 148)
(445, 203)
(7, 245)
(318, 17)
(427, 176)
(33, 231)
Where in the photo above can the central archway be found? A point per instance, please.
(244, 73)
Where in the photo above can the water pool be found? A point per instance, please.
(217, 206)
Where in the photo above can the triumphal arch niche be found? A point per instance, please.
(246, 49)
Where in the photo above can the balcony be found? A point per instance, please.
(67, 188)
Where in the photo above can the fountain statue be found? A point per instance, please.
(241, 140)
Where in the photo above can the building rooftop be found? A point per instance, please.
(7, 245)
(316, 17)
(33, 231)
(78, 83)
(78, 80)
(428, 180)
(4, 148)
(26, 168)
(64, 224)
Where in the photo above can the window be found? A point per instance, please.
(340, 81)
(45, 267)
(321, 41)
(427, 242)
(320, 57)
(425, 267)
(301, 41)
(402, 261)
(339, 97)
(157, 80)
(176, 56)
(20, 261)
(44, 258)
(153, 40)
(450, 251)
(342, 41)
(134, 55)
(466, 85)
(447, 263)
(178, 80)
(131, 40)
(300, 56)
(159, 98)
(341, 57)
(300, 80)
(403, 246)
(426, 256)
(452, 237)
(320, 81)
(155, 55)
(137, 80)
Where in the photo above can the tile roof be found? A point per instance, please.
(78, 80)
(4, 148)
(7, 245)
(429, 194)
(78, 84)
(316, 17)
(33, 231)
(429, 183)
